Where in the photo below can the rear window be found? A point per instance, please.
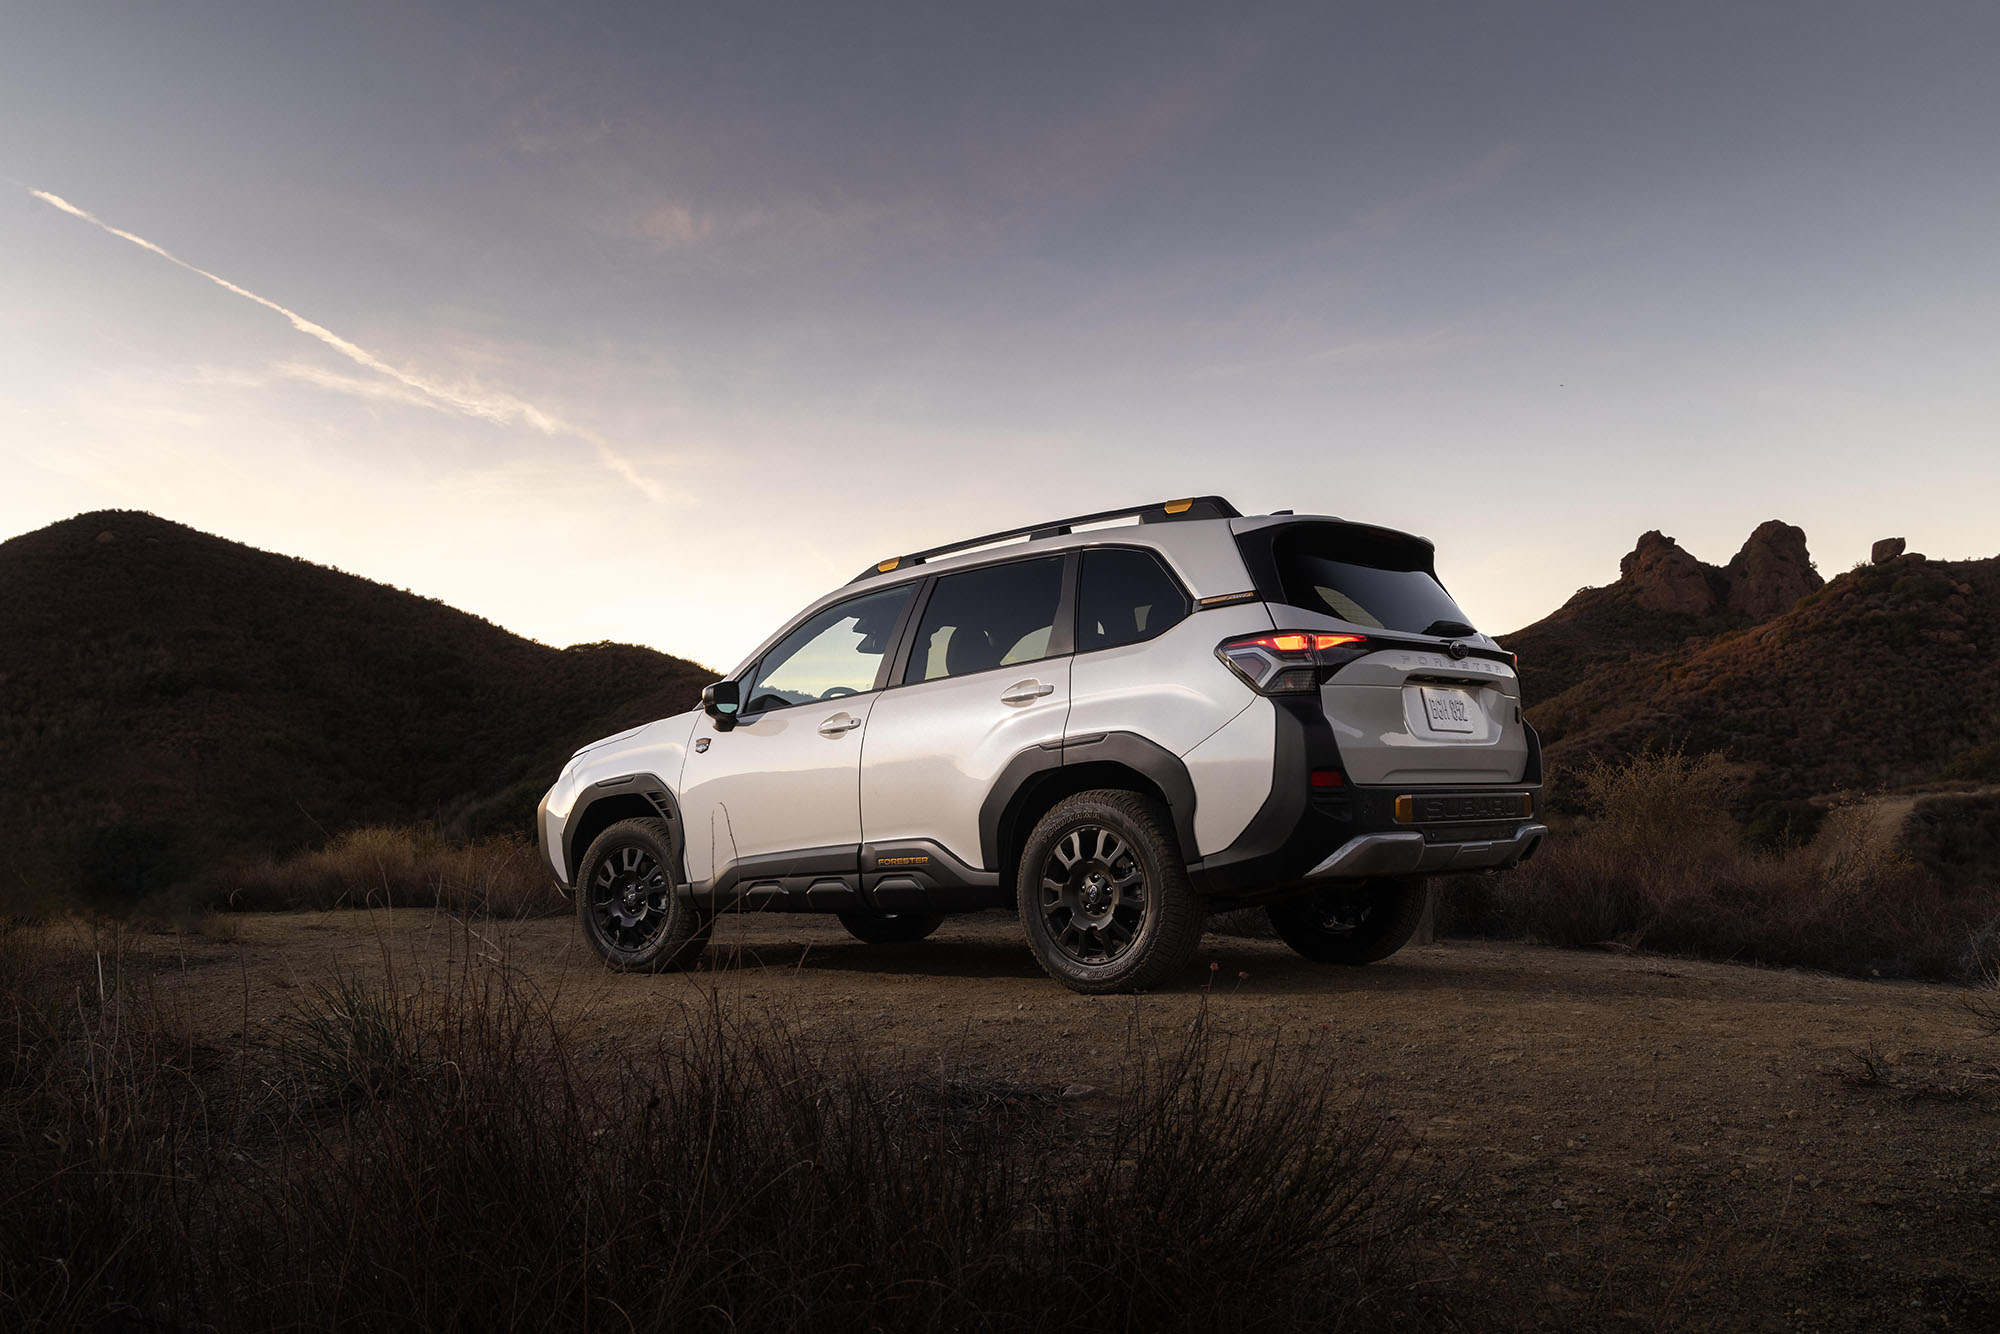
(1369, 577)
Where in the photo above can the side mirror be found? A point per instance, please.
(721, 702)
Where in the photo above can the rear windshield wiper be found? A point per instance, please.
(1449, 628)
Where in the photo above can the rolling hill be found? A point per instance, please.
(1882, 678)
(226, 701)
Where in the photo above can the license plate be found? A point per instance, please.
(1453, 712)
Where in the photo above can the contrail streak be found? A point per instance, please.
(503, 409)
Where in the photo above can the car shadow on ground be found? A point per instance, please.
(929, 958)
(1272, 971)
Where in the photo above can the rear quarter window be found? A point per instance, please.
(1127, 597)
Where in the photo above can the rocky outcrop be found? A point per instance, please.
(1771, 572)
(1660, 575)
(1887, 549)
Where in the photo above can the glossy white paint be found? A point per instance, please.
(783, 781)
(1231, 772)
(935, 748)
(1172, 690)
(657, 748)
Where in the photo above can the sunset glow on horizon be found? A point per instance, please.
(623, 322)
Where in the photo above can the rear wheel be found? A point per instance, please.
(1104, 894)
(1352, 924)
(889, 928)
(626, 902)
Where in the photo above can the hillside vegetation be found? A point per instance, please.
(1880, 679)
(168, 698)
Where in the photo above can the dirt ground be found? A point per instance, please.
(1610, 1141)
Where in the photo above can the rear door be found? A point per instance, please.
(988, 677)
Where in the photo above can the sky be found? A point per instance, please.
(652, 322)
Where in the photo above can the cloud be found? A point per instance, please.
(487, 405)
(1356, 351)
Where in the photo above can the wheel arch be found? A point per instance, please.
(639, 796)
(1038, 779)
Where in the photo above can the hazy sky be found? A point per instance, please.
(652, 322)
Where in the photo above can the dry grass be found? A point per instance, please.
(1661, 866)
(447, 1154)
(402, 867)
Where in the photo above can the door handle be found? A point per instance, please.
(1027, 692)
(839, 725)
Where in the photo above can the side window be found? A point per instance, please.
(988, 618)
(1127, 596)
(834, 654)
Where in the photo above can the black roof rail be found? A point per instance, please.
(1160, 511)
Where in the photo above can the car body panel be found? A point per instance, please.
(1171, 689)
(775, 782)
(934, 749)
(655, 750)
(1231, 770)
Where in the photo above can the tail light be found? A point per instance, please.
(1289, 662)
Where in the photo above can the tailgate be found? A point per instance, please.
(1409, 716)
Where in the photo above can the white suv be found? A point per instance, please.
(1114, 724)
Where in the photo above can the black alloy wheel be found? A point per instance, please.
(628, 896)
(896, 928)
(627, 903)
(1093, 894)
(1352, 924)
(1104, 895)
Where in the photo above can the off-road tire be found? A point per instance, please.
(1142, 915)
(889, 929)
(1355, 925)
(626, 902)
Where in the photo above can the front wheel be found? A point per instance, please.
(1104, 894)
(889, 928)
(626, 901)
(1352, 924)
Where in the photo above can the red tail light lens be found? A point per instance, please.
(1288, 662)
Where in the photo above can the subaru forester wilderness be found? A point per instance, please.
(1113, 730)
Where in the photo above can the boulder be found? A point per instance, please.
(1887, 549)
(1661, 576)
(1771, 572)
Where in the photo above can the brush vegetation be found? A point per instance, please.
(449, 1155)
(1658, 863)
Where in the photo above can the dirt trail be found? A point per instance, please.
(1616, 1141)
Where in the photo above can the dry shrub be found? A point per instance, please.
(449, 1156)
(1660, 866)
(378, 866)
(1659, 805)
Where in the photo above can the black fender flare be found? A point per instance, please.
(1025, 772)
(631, 792)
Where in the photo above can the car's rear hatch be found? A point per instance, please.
(1421, 697)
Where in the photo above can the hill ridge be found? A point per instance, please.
(1878, 679)
(250, 702)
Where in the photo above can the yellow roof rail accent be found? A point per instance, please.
(1177, 506)
(890, 564)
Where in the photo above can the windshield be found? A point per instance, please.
(1367, 577)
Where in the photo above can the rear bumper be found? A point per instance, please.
(1408, 852)
(1307, 836)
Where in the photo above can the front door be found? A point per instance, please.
(787, 778)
